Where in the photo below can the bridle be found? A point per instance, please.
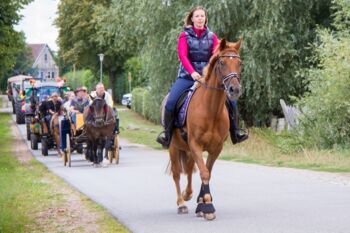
(224, 79)
(101, 120)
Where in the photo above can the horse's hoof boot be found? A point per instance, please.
(210, 216)
(200, 214)
(182, 210)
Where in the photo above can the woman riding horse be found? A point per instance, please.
(195, 47)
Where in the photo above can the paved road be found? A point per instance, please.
(248, 198)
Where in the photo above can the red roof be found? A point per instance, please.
(36, 49)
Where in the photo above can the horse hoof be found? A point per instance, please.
(186, 197)
(210, 216)
(182, 210)
(200, 214)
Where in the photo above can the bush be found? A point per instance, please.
(138, 100)
(144, 104)
(325, 123)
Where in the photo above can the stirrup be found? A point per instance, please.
(161, 139)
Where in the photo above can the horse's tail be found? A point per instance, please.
(184, 165)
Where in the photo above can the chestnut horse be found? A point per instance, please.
(207, 126)
(54, 127)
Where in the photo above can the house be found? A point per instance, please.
(44, 63)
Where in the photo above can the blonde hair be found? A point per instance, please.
(188, 19)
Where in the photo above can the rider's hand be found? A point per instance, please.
(195, 76)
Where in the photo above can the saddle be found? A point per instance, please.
(182, 106)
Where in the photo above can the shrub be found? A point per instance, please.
(325, 123)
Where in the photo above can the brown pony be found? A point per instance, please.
(99, 122)
(207, 126)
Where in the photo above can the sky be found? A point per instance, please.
(37, 23)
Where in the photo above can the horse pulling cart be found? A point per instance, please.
(73, 137)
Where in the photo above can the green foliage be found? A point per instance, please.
(327, 106)
(141, 37)
(275, 34)
(85, 78)
(11, 42)
(133, 66)
(138, 100)
(24, 61)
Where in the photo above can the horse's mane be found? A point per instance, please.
(217, 52)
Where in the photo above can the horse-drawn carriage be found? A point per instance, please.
(90, 133)
(38, 122)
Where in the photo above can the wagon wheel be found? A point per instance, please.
(68, 151)
(116, 149)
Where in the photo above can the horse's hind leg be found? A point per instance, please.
(176, 172)
(56, 133)
(189, 168)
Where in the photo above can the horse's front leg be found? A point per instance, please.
(102, 146)
(205, 206)
(94, 152)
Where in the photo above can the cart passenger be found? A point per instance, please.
(80, 101)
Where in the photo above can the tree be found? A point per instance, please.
(11, 41)
(325, 123)
(275, 36)
(24, 60)
(77, 26)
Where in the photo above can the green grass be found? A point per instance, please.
(264, 147)
(28, 189)
(138, 130)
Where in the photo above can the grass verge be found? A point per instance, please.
(263, 147)
(34, 200)
(137, 129)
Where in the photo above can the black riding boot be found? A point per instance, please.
(164, 138)
(237, 135)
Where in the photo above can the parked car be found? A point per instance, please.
(127, 100)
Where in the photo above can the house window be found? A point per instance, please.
(41, 74)
(53, 75)
(48, 74)
(45, 57)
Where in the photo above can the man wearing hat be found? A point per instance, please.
(80, 101)
(53, 106)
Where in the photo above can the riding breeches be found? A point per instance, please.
(175, 92)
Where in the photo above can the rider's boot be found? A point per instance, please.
(237, 135)
(164, 138)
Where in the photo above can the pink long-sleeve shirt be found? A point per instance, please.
(182, 48)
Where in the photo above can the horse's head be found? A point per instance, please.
(227, 65)
(98, 109)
